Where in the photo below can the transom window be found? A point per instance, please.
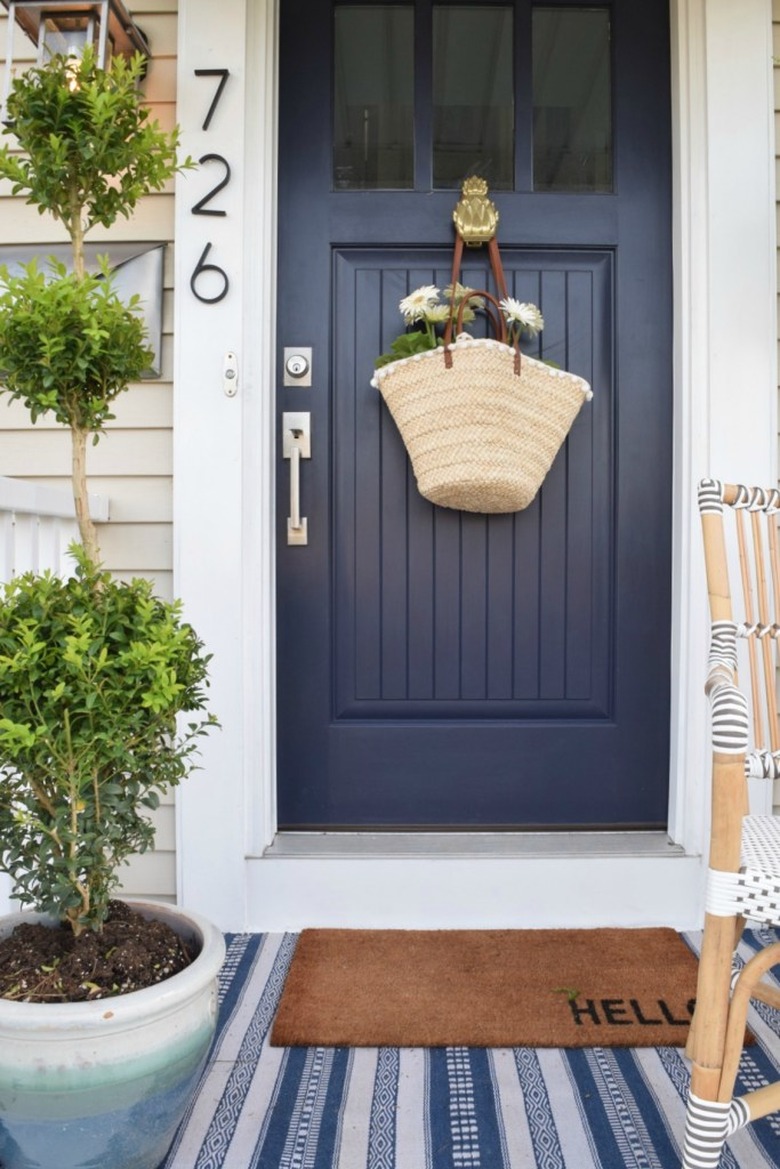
(518, 93)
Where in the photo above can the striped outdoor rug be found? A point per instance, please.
(260, 1107)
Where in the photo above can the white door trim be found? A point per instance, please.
(725, 423)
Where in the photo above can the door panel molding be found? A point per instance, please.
(523, 664)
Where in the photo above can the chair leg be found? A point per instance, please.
(719, 943)
(745, 985)
(709, 1123)
(713, 1114)
(711, 1119)
(707, 1035)
(709, 1116)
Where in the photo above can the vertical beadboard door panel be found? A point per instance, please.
(446, 613)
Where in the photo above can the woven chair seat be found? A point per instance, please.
(754, 891)
(760, 887)
(761, 845)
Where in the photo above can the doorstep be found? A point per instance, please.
(471, 845)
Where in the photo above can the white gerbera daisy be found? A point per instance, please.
(437, 312)
(417, 304)
(527, 316)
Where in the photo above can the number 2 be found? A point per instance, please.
(200, 207)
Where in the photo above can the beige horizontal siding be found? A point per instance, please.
(152, 220)
(135, 501)
(152, 874)
(162, 581)
(160, 83)
(137, 548)
(31, 453)
(132, 463)
(145, 406)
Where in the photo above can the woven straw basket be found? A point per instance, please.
(481, 437)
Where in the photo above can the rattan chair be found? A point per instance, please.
(740, 528)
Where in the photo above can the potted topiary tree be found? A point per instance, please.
(106, 1010)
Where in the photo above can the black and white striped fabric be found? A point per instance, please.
(752, 498)
(723, 647)
(710, 497)
(763, 764)
(708, 1126)
(758, 499)
(730, 718)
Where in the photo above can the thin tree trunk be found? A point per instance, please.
(78, 435)
(76, 230)
(80, 495)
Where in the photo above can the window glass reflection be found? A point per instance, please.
(473, 95)
(373, 139)
(572, 99)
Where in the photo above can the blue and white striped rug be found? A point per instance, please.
(260, 1107)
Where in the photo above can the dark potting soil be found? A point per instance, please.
(47, 964)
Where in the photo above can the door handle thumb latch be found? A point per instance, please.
(296, 445)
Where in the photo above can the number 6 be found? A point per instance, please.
(202, 267)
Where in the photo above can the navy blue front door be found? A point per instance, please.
(439, 669)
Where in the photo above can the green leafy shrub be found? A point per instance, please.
(93, 673)
(90, 151)
(68, 344)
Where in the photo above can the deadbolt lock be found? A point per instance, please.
(297, 366)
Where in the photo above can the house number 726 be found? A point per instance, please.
(203, 268)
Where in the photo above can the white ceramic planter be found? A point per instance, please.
(104, 1085)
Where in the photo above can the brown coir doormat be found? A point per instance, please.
(487, 988)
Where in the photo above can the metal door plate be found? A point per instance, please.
(296, 368)
(296, 431)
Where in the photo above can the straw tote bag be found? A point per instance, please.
(481, 422)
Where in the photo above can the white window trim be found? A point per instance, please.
(224, 515)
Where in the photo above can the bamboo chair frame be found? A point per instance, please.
(744, 861)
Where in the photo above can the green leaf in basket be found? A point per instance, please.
(406, 346)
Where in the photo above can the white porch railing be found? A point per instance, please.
(36, 526)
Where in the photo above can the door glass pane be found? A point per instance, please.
(572, 99)
(473, 102)
(373, 141)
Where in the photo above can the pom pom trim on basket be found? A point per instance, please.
(465, 340)
(480, 437)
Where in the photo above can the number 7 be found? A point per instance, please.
(223, 75)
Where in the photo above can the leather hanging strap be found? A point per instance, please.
(498, 275)
(495, 264)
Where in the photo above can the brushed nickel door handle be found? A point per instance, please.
(296, 445)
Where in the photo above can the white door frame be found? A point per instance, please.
(725, 424)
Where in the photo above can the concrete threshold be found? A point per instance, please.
(486, 845)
